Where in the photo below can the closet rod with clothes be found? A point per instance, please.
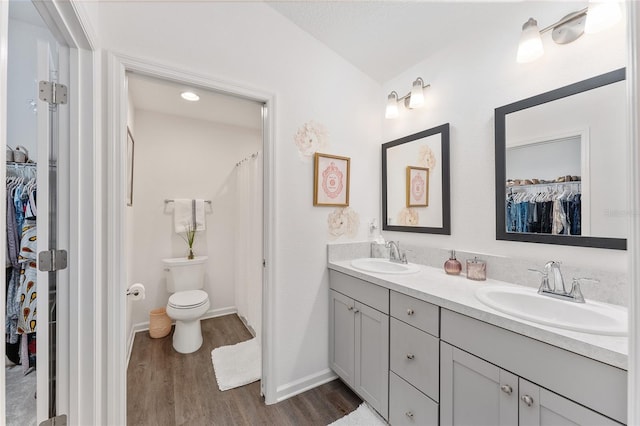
(549, 208)
(20, 263)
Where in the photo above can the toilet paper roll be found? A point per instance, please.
(136, 292)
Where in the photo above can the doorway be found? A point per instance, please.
(212, 149)
(57, 50)
(121, 333)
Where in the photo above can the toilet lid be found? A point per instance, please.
(188, 299)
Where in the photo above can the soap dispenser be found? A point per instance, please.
(453, 265)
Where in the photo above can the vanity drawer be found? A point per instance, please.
(415, 356)
(370, 294)
(409, 406)
(418, 313)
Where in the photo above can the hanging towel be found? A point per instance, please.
(187, 212)
(199, 214)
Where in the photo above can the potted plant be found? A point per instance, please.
(189, 237)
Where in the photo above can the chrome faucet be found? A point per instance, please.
(558, 290)
(554, 267)
(394, 252)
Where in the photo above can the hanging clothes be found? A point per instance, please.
(543, 209)
(21, 266)
(28, 289)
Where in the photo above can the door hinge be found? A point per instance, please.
(55, 421)
(53, 93)
(52, 260)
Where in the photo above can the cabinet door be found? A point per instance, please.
(372, 357)
(475, 392)
(540, 407)
(342, 336)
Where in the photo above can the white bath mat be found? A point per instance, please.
(362, 416)
(237, 365)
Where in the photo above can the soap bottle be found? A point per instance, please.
(452, 266)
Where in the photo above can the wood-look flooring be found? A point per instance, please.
(168, 388)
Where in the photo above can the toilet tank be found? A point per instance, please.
(184, 274)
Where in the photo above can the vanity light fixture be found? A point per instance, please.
(190, 96)
(413, 99)
(597, 16)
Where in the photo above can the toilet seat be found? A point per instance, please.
(189, 299)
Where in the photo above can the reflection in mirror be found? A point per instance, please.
(415, 182)
(561, 170)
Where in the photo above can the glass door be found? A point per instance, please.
(33, 128)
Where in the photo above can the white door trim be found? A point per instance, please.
(633, 244)
(117, 66)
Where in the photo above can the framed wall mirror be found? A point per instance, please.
(415, 183)
(561, 168)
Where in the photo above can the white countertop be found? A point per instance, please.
(457, 294)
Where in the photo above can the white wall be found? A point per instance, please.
(177, 157)
(249, 43)
(468, 81)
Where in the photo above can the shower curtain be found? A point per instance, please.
(248, 248)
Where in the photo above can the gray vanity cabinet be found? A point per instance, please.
(359, 338)
(540, 407)
(475, 392)
(491, 376)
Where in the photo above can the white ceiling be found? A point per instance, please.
(381, 38)
(163, 96)
(385, 38)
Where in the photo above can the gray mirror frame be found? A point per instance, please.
(500, 154)
(446, 192)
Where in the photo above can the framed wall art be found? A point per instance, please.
(331, 180)
(417, 186)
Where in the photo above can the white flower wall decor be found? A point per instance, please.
(426, 158)
(408, 217)
(310, 138)
(343, 221)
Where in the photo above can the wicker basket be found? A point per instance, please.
(159, 323)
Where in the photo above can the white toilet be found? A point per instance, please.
(185, 279)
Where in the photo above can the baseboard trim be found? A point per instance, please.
(304, 384)
(144, 326)
(247, 326)
(220, 312)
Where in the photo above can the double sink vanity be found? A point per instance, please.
(425, 348)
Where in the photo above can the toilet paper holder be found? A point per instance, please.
(133, 292)
(136, 291)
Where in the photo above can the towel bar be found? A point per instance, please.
(171, 201)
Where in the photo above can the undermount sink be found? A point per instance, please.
(526, 303)
(384, 266)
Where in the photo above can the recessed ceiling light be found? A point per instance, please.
(190, 96)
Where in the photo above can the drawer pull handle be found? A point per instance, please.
(527, 400)
(355, 311)
(350, 308)
(409, 414)
(410, 311)
(506, 389)
(410, 356)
